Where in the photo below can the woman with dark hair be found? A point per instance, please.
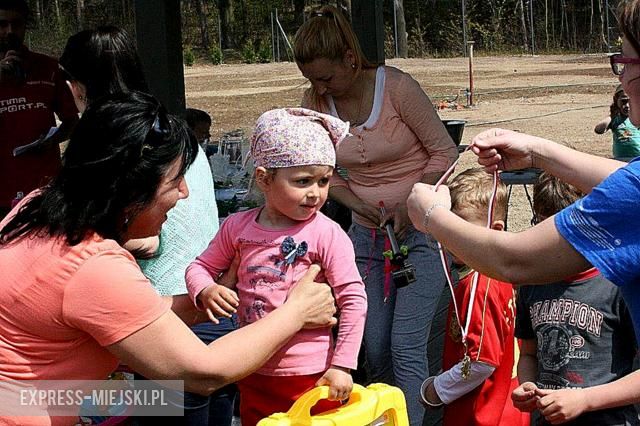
(73, 302)
(598, 230)
(103, 61)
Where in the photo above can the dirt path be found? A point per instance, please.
(556, 97)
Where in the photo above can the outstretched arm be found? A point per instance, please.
(537, 255)
(602, 126)
(167, 349)
(499, 149)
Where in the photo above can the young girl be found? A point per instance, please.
(626, 137)
(294, 156)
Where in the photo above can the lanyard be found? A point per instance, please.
(464, 331)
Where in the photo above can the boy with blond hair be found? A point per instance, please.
(478, 370)
(576, 333)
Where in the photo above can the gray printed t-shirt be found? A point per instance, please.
(584, 337)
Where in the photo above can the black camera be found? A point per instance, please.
(403, 273)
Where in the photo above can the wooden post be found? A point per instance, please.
(366, 18)
(159, 39)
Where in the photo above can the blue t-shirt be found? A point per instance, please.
(604, 228)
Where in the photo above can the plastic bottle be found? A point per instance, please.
(15, 201)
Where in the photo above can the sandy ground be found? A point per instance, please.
(557, 97)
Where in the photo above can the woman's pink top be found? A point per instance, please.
(402, 140)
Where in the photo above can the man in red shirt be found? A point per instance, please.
(31, 91)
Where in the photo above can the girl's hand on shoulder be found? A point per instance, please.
(560, 406)
(218, 301)
(524, 397)
(339, 381)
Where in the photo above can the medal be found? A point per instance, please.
(466, 367)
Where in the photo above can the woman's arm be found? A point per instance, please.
(347, 198)
(499, 149)
(167, 349)
(602, 126)
(537, 255)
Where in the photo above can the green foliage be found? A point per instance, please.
(264, 52)
(215, 55)
(188, 57)
(415, 43)
(248, 53)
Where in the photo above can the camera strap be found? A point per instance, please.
(464, 330)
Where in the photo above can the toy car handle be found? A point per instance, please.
(301, 409)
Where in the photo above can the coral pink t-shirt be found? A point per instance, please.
(60, 306)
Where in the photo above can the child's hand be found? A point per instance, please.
(524, 397)
(559, 406)
(339, 381)
(218, 301)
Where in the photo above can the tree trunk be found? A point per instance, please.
(38, 10)
(225, 8)
(202, 23)
(80, 14)
(56, 3)
(591, 26)
(345, 6)
(546, 25)
(298, 12)
(523, 20)
(402, 29)
(603, 37)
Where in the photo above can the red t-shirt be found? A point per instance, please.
(490, 340)
(26, 112)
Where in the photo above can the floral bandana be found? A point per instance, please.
(290, 137)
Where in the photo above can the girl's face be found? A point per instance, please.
(293, 194)
(630, 81)
(623, 103)
(148, 222)
(333, 78)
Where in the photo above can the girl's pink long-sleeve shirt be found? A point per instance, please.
(265, 279)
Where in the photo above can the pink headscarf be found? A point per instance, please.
(290, 137)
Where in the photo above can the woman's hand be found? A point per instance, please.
(400, 218)
(524, 397)
(422, 199)
(339, 381)
(499, 149)
(313, 301)
(370, 212)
